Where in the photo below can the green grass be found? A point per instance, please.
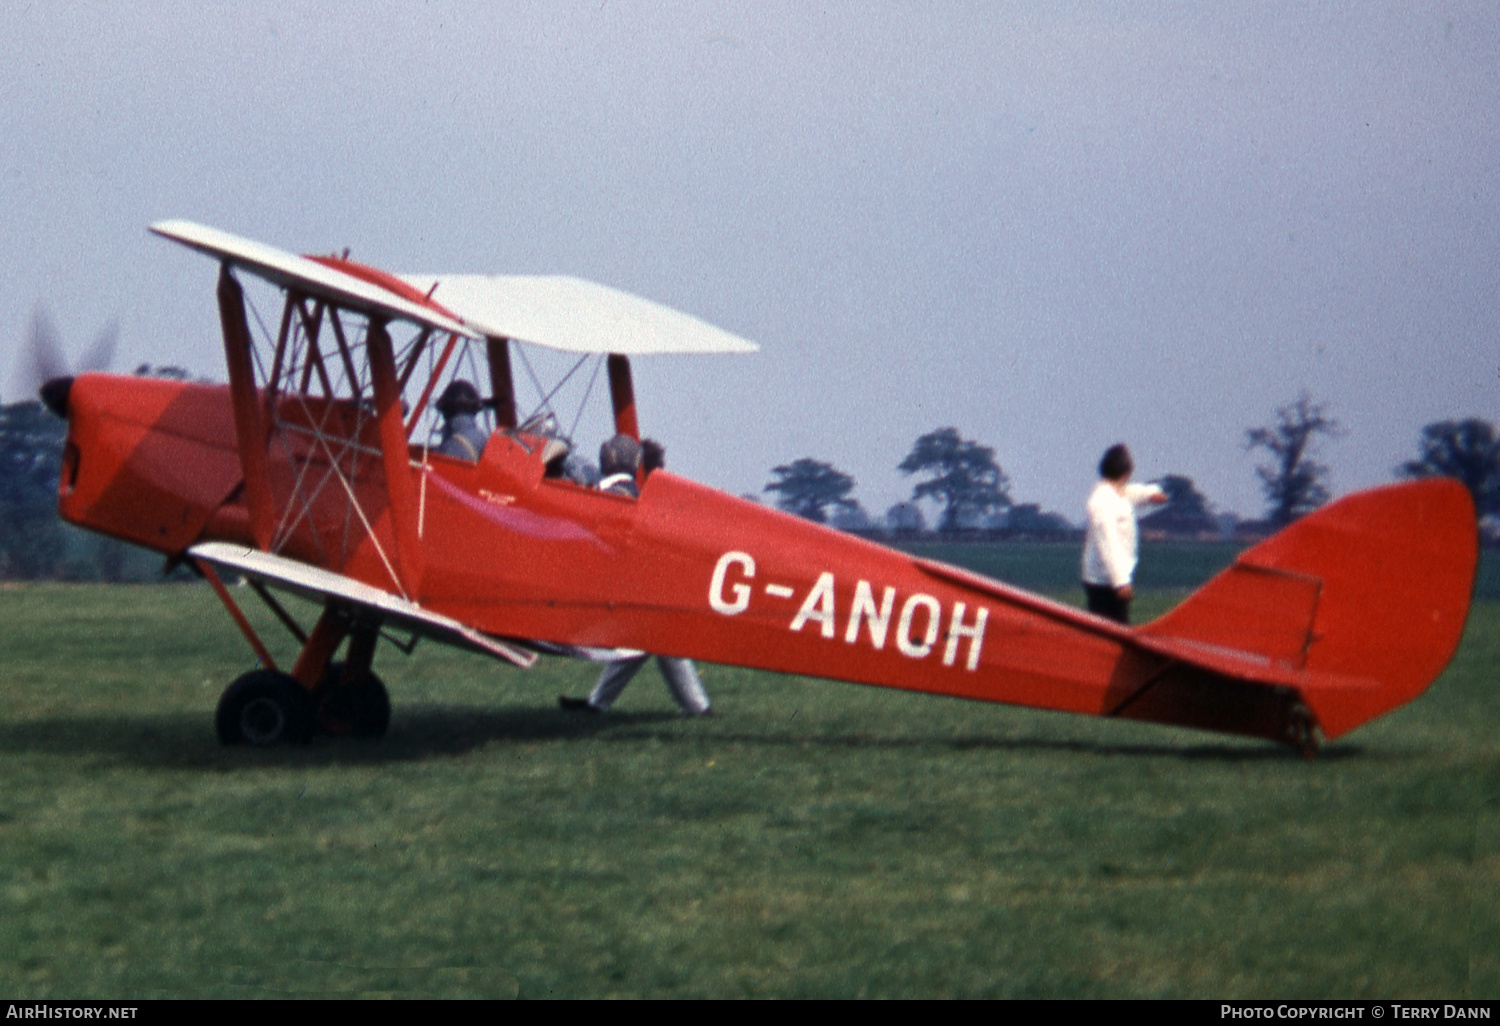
(812, 839)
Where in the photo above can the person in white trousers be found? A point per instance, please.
(680, 674)
(618, 459)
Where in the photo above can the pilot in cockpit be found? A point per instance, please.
(619, 459)
(459, 406)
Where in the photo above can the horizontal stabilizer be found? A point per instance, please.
(1253, 668)
(322, 585)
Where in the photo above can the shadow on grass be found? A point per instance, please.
(422, 732)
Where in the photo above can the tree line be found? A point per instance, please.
(960, 476)
(972, 492)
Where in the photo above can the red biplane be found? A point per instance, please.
(311, 472)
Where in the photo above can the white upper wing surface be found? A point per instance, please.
(573, 315)
(554, 311)
(290, 271)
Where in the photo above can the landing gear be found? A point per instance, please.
(344, 699)
(357, 707)
(1303, 732)
(264, 708)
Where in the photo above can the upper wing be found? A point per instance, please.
(311, 582)
(573, 315)
(307, 276)
(552, 311)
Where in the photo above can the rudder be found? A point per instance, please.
(1374, 588)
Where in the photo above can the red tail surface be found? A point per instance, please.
(1358, 606)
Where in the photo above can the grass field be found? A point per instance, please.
(812, 839)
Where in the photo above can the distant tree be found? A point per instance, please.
(1028, 518)
(1464, 449)
(109, 559)
(905, 518)
(1293, 483)
(1186, 511)
(965, 477)
(32, 543)
(809, 487)
(171, 371)
(850, 518)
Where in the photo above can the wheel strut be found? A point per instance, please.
(269, 707)
(348, 698)
(312, 662)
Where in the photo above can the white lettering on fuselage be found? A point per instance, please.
(817, 606)
(917, 628)
(717, 598)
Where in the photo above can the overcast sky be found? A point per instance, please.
(1052, 226)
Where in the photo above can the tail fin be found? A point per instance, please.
(1358, 606)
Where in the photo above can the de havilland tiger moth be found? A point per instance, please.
(309, 473)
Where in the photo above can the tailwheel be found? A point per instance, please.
(354, 708)
(1303, 732)
(264, 708)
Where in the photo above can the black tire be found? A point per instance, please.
(264, 708)
(361, 708)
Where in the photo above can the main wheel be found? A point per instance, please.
(360, 708)
(264, 708)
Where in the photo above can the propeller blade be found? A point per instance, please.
(102, 354)
(44, 359)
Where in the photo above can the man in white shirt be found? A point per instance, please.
(1109, 553)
